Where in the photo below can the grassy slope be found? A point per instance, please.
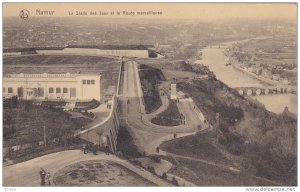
(203, 147)
(28, 124)
(264, 143)
(55, 59)
(208, 175)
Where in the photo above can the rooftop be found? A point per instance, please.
(47, 75)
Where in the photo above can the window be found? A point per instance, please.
(40, 92)
(84, 82)
(65, 90)
(93, 82)
(58, 90)
(51, 90)
(88, 82)
(72, 92)
(3, 90)
(10, 90)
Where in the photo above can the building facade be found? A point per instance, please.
(52, 86)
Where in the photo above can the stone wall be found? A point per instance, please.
(105, 133)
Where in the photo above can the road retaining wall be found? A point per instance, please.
(105, 133)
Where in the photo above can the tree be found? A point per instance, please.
(8, 128)
(28, 106)
(13, 102)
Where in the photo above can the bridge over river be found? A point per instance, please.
(265, 90)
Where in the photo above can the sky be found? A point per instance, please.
(201, 11)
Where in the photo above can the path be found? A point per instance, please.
(101, 114)
(27, 173)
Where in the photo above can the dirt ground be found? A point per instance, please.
(98, 173)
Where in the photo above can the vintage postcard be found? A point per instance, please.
(149, 94)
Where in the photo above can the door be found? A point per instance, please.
(20, 92)
(72, 92)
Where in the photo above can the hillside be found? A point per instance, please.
(252, 139)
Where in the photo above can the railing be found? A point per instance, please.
(120, 71)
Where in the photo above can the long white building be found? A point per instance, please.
(98, 52)
(52, 86)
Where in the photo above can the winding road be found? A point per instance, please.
(27, 173)
(147, 135)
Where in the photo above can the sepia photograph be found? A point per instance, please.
(149, 95)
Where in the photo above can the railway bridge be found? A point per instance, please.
(264, 90)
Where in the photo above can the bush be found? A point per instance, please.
(233, 142)
(156, 159)
(119, 154)
(11, 102)
(174, 181)
(152, 54)
(173, 178)
(164, 175)
(169, 117)
(151, 169)
(136, 162)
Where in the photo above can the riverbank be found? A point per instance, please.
(263, 80)
(250, 54)
(234, 77)
(236, 65)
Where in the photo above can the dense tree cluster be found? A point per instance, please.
(150, 79)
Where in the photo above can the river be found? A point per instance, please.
(215, 59)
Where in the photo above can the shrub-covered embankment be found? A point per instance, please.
(150, 79)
